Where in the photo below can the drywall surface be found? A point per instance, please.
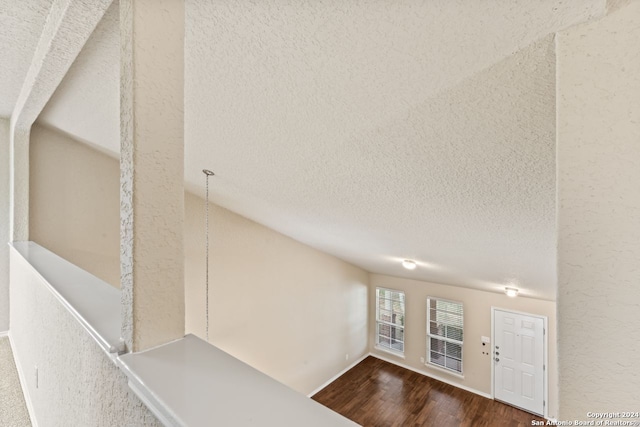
(287, 309)
(477, 323)
(364, 129)
(74, 201)
(152, 172)
(469, 168)
(5, 212)
(21, 25)
(598, 215)
(76, 383)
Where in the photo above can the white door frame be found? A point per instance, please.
(545, 340)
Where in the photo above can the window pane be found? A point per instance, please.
(384, 330)
(453, 350)
(384, 315)
(445, 333)
(436, 358)
(437, 345)
(453, 332)
(453, 364)
(390, 308)
(397, 333)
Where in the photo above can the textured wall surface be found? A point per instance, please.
(287, 309)
(21, 24)
(4, 224)
(66, 29)
(366, 129)
(68, 25)
(152, 171)
(64, 176)
(477, 323)
(19, 179)
(78, 385)
(95, 75)
(281, 306)
(598, 214)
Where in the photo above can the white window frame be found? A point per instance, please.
(380, 344)
(445, 339)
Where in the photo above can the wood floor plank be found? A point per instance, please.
(376, 393)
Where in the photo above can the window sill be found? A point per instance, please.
(389, 351)
(446, 371)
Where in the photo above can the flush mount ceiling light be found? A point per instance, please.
(511, 292)
(409, 265)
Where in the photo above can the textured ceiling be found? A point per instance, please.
(21, 23)
(374, 131)
(87, 102)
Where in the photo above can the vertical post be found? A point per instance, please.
(5, 226)
(152, 171)
(19, 176)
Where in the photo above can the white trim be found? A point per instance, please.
(392, 352)
(545, 377)
(338, 375)
(23, 384)
(426, 374)
(162, 417)
(446, 371)
(4, 334)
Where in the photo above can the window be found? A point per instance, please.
(390, 319)
(444, 334)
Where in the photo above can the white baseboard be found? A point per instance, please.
(339, 374)
(402, 365)
(23, 383)
(4, 334)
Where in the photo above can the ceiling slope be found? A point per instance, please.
(21, 23)
(372, 131)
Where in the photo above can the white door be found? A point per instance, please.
(519, 360)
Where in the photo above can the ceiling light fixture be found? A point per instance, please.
(511, 292)
(409, 265)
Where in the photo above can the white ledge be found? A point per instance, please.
(190, 382)
(93, 302)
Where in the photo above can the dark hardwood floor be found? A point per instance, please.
(378, 393)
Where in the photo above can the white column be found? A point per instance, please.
(152, 171)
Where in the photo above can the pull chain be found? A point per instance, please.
(208, 173)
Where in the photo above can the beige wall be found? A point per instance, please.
(4, 224)
(78, 384)
(477, 323)
(599, 214)
(289, 310)
(74, 203)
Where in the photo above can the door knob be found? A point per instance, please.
(497, 360)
